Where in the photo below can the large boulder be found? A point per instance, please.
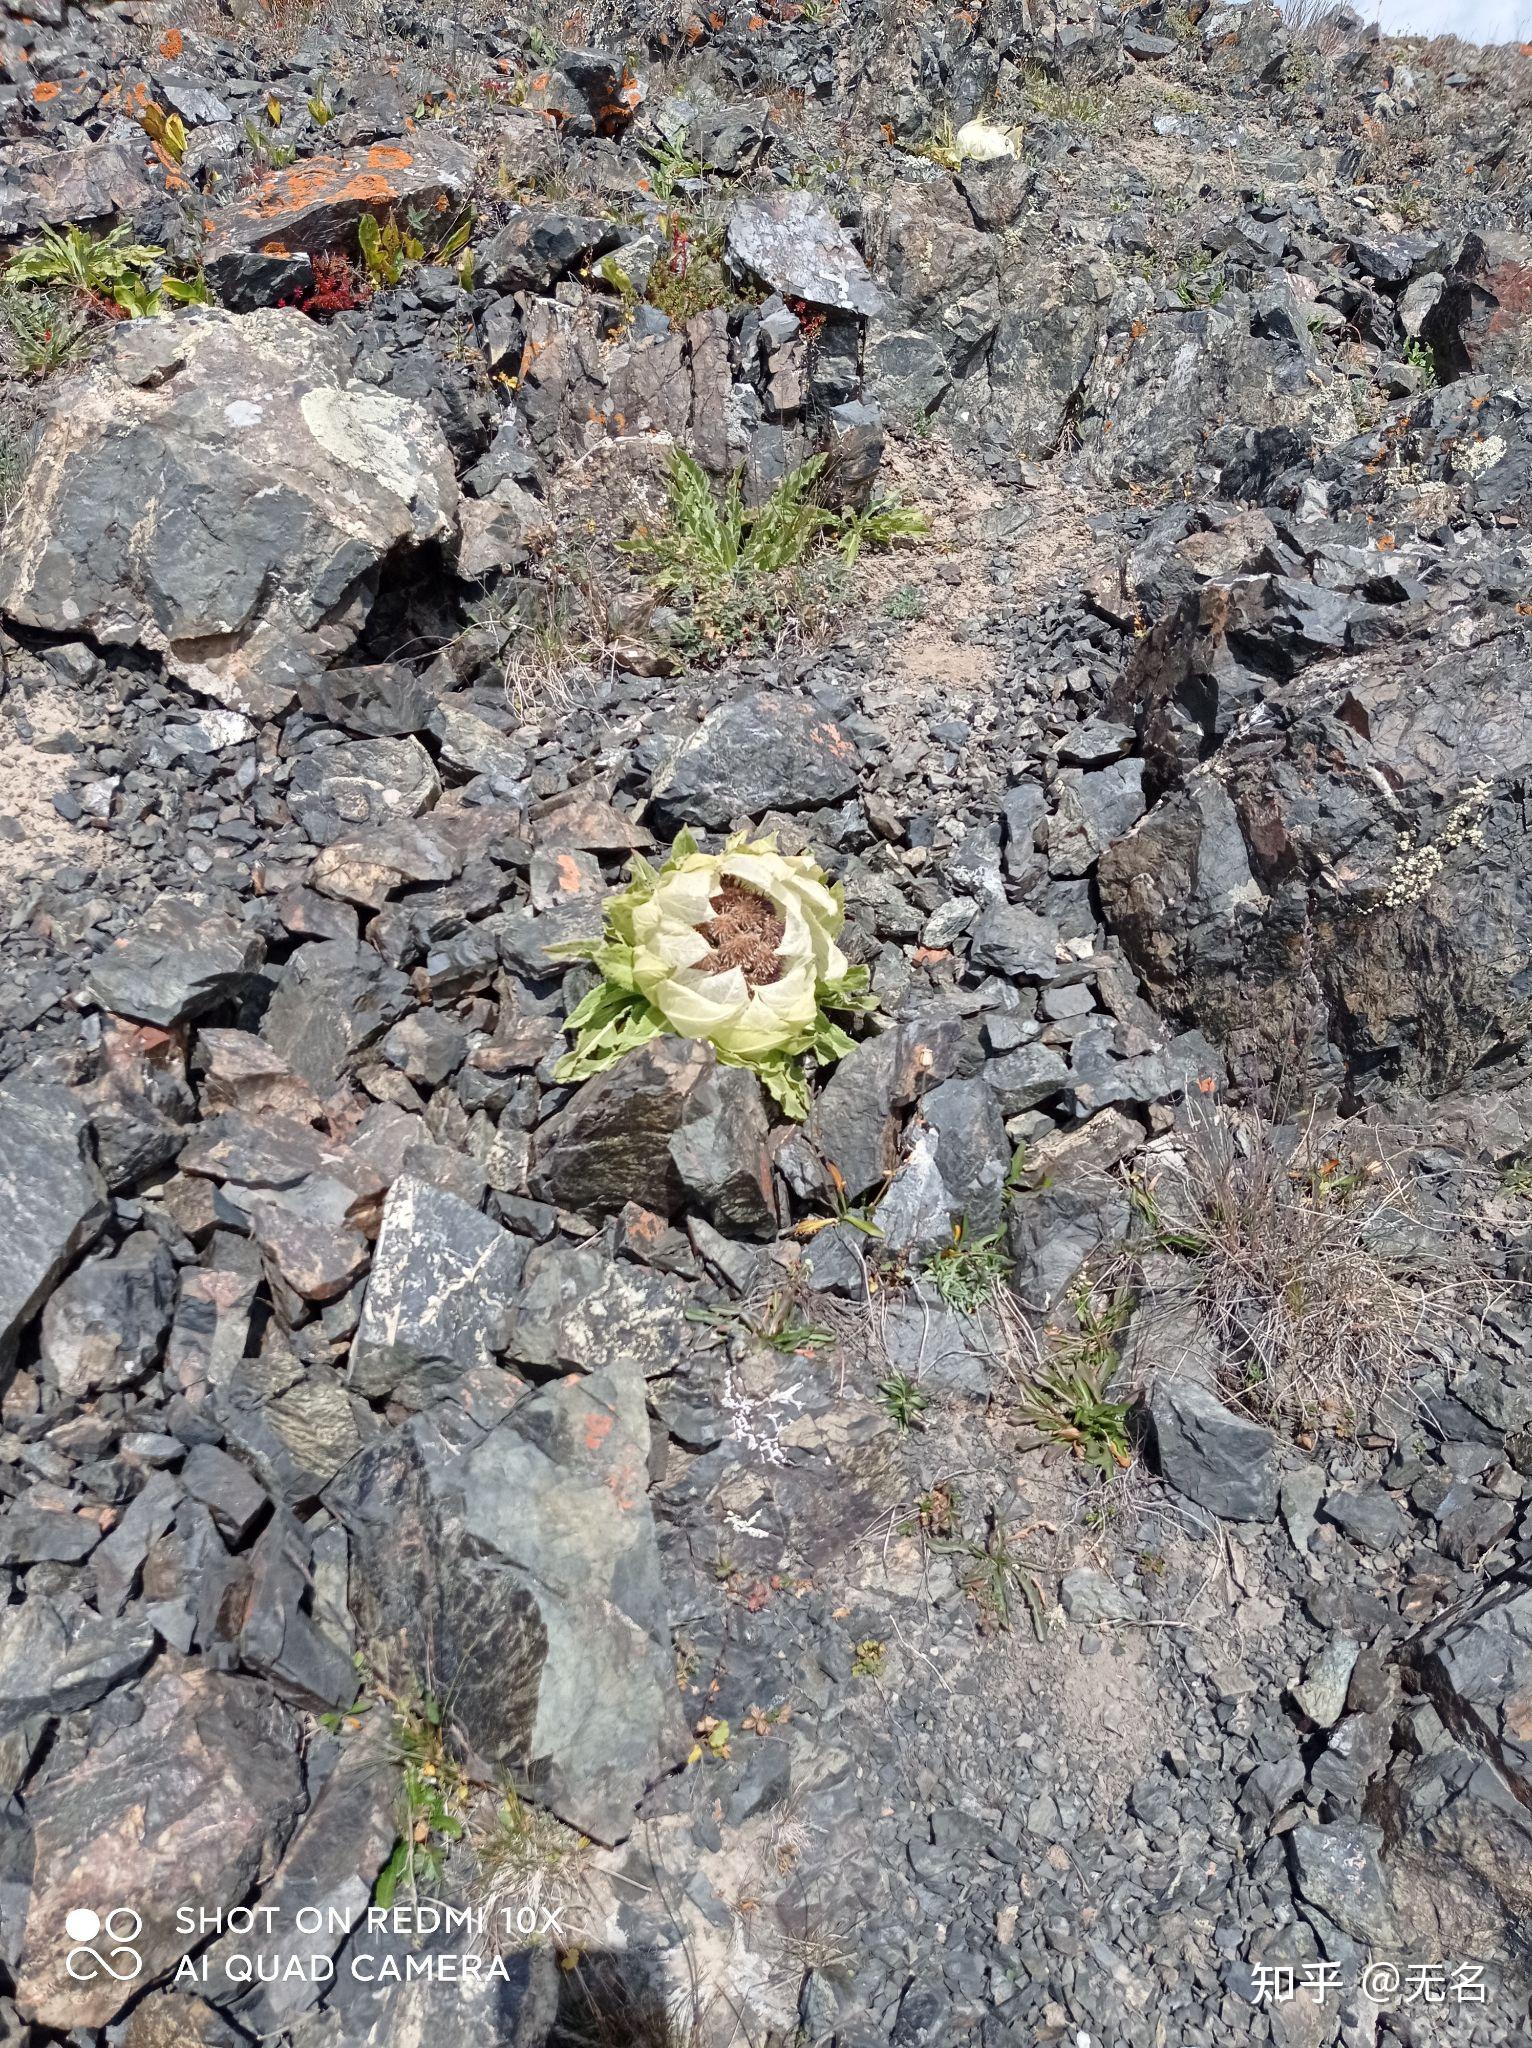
(515, 1569)
(222, 492)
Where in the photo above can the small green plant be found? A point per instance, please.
(167, 130)
(867, 1659)
(1065, 1399)
(670, 163)
(526, 1858)
(386, 249)
(45, 331)
(94, 264)
(940, 146)
(432, 1801)
(966, 1272)
(906, 604)
(883, 522)
(710, 542)
(1200, 284)
(1516, 1181)
(992, 1574)
(1054, 101)
(275, 155)
(321, 113)
(904, 1400)
(778, 1325)
(1421, 359)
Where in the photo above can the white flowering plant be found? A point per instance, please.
(738, 948)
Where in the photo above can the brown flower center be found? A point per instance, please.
(744, 931)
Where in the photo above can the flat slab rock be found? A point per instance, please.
(519, 1564)
(178, 960)
(764, 752)
(215, 1761)
(1221, 1461)
(52, 1199)
(789, 240)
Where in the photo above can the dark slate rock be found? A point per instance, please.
(278, 1637)
(1369, 1515)
(56, 1656)
(538, 245)
(233, 1499)
(763, 752)
(1024, 1078)
(854, 1125)
(439, 1294)
(611, 1144)
(355, 784)
(327, 1875)
(215, 1760)
(1218, 1459)
(720, 1152)
(1055, 1228)
(332, 1001)
(105, 1325)
(177, 961)
(1016, 941)
(52, 1200)
(1337, 1869)
(520, 1564)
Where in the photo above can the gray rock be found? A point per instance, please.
(315, 205)
(720, 1153)
(612, 1143)
(518, 1566)
(105, 1325)
(439, 1296)
(217, 491)
(854, 1124)
(1024, 1078)
(52, 1199)
(788, 240)
(578, 1310)
(1368, 1515)
(762, 752)
(1090, 1597)
(214, 1760)
(1214, 1457)
(1055, 1228)
(327, 1875)
(973, 1153)
(1016, 941)
(1337, 1870)
(538, 245)
(1322, 1694)
(56, 1657)
(177, 961)
(336, 790)
(333, 1001)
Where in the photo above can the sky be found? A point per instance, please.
(1480, 21)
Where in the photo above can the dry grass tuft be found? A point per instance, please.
(1322, 1288)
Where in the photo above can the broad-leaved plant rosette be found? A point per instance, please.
(738, 948)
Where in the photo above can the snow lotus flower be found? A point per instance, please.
(739, 948)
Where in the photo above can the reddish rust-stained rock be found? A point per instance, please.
(315, 205)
